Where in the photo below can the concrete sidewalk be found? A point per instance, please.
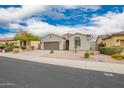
(90, 65)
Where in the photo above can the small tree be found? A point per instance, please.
(26, 36)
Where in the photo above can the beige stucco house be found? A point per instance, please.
(8, 41)
(66, 42)
(116, 39)
(27, 44)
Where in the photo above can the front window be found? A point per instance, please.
(77, 41)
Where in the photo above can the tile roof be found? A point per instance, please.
(103, 36)
(119, 33)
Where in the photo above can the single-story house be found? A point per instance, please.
(66, 42)
(28, 44)
(3, 41)
(116, 39)
(20, 43)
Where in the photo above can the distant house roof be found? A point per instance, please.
(115, 34)
(67, 34)
(54, 35)
(82, 34)
(118, 33)
(2, 40)
(5, 40)
(102, 37)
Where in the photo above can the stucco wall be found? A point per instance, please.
(53, 38)
(1, 42)
(113, 41)
(67, 35)
(85, 43)
(108, 42)
(13, 41)
(99, 41)
(35, 44)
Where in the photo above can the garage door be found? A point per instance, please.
(51, 45)
(122, 43)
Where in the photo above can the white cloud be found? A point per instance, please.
(20, 12)
(7, 35)
(40, 28)
(12, 14)
(84, 7)
(108, 23)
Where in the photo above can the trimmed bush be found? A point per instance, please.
(110, 50)
(86, 54)
(8, 49)
(23, 47)
(16, 46)
(91, 53)
(51, 51)
(118, 56)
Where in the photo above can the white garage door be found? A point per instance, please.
(51, 45)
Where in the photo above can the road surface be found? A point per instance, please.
(15, 73)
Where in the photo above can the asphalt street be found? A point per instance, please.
(16, 73)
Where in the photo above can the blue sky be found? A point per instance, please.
(42, 20)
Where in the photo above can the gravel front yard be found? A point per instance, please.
(79, 56)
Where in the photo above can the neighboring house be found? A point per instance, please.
(100, 41)
(2, 41)
(27, 40)
(116, 39)
(66, 42)
(8, 41)
(34, 44)
(28, 44)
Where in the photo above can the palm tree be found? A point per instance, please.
(25, 37)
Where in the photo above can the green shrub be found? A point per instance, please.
(51, 51)
(118, 56)
(119, 47)
(91, 53)
(110, 50)
(86, 54)
(23, 47)
(8, 49)
(16, 46)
